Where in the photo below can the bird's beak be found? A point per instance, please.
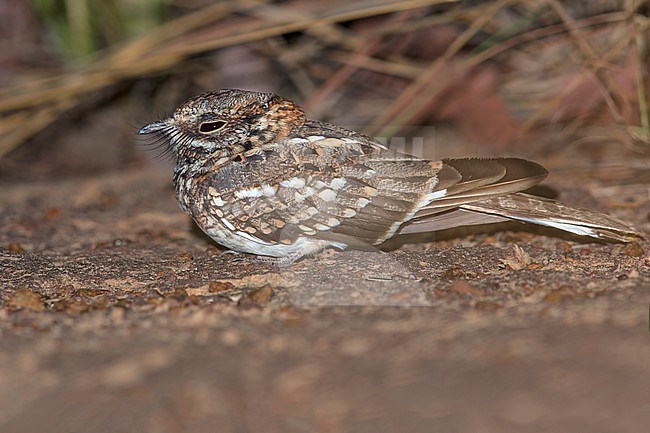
(154, 127)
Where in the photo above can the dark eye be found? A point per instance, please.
(210, 127)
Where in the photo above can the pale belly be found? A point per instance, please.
(243, 242)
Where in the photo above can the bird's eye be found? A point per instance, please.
(210, 127)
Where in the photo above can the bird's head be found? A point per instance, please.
(226, 122)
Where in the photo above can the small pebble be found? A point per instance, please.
(261, 295)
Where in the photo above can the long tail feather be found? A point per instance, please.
(547, 212)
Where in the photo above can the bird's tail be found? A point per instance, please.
(551, 213)
(530, 209)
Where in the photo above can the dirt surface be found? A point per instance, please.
(117, 315)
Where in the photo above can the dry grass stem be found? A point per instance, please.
(325, 58)
(160, 50)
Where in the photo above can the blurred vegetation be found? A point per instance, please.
(81, 27)
(501, 72)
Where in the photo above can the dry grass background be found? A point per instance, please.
(497, 72)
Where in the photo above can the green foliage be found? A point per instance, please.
(81, 27)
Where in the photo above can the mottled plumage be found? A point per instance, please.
(260, 178)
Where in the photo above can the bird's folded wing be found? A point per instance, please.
(481, 179)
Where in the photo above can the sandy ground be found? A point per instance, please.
(117, 315)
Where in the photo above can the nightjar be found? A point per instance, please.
(259, 177)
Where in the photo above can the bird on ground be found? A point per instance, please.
(260, 178)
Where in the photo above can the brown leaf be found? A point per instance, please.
(27, 299)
